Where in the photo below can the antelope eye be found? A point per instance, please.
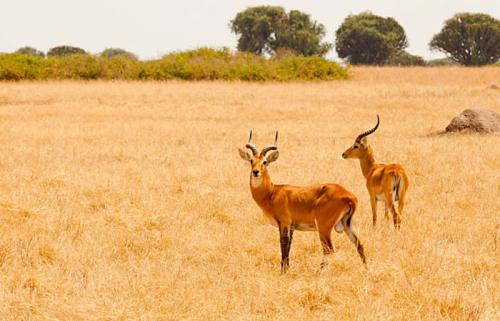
(251, 161)
(355, 146)
(264, 163)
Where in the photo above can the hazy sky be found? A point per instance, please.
(151, 28)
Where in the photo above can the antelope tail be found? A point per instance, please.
(397, 186)
(351, 208)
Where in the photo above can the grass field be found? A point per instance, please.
(128, 200)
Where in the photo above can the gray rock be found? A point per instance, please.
(475, 120)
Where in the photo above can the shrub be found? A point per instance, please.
(209, 64)
(20, 66)
(442, 62)
(310, 68)
(74, 66)
(119, 67)
(403, 58)
(199, 64)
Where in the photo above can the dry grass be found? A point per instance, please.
(128, 201)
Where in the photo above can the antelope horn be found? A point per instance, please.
(270, 148)
(251, 146)
(370, 131)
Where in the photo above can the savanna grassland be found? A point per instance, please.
(128, 200)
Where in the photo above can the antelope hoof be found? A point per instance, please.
(284, 266)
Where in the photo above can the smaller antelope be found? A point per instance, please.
(312, 208)
(385, 182)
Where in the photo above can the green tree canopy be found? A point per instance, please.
(369, 39)
(267, 29)
(30, 51)
(65, 51)
(302, 35)
(111, 52)
(471, 39)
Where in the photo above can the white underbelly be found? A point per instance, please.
(305, 227)
(298, 227)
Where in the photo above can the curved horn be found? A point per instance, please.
(272, 147)
(368, 132)
(251, 146)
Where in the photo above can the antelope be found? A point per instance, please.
(312, 208)
(387, 183)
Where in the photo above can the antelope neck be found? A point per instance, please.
(367, 162)
(261, 192)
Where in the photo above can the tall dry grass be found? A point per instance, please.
(128, 201)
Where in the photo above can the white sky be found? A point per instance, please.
(151, 28)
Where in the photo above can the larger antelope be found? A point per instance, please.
(385, 182)
(312, 208)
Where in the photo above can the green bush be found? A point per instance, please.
(73, 67)
(212, 64)
(403, 58)
(21, 66)
(442, 62)
(199, 64)
(119, 67)
(302, 68)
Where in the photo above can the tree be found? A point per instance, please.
(267, 29)
(65, 50)
(30, 51)
(471, 39)
(257, 27)
(369, 39)
(111, 52)
(302, 35)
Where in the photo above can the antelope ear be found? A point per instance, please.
(244, 155)
(272, 157)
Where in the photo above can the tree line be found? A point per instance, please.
(61, 51)
(470, 39)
